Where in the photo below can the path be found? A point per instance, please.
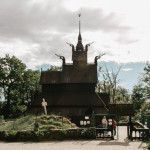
(121, 144)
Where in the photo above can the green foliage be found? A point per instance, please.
(146, 80)
(145, 109)
(59, 134)
(19, 86)
(8, 135)
(27, 123)
(148, 145)
(55, 68)
(138, 97)
(22, 129)
(2, 119)
(0, 96)
(141, 95)
(88, 133)
(122, 95)
(11, 70)
(23, 123)
(109, 84)
(62, 134)
(53, 122)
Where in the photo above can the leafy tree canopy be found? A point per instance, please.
(18, 85)
(141, 94)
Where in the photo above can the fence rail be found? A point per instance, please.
(139, 131)
(104, 133)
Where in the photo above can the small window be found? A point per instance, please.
(86, 117)
(110, 121)
(85, 123)
(81, 123)
(88, 122)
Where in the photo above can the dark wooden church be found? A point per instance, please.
(71, 92)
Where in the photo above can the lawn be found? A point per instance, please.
(45, 123)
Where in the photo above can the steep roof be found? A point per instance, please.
(70, 74)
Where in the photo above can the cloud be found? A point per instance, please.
(127, 69)
(33, 21)
(126, 39)
(34, 30)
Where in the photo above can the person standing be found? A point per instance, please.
(114, 126)
(104, 122)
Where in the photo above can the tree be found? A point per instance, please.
(109, 83)
(0, 100)
(146, 80)
(122, 95)
(55, 68)
(29, 86)
(138, 97)
(11, 70)
(0, 94)
(141, 94)
(18, 84)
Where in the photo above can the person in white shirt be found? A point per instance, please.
(104, 122)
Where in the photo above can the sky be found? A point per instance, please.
(35, 30)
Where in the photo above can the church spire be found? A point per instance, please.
(79, 46)
(79, 23)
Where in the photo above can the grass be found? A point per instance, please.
(45, 123)
(148, 145)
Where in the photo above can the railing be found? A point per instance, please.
(139, 131)
(104, 132)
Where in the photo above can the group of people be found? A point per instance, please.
(105, 123)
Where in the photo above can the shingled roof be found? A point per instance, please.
(70, 74)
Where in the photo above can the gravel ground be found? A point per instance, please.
(121, 144)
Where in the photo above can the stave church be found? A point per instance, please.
(71, 91)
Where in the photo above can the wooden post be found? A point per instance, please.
(128, 130)
(131, 127)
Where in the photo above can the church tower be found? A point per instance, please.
(79, 55)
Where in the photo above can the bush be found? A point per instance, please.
(148, 145)
(63, 134)
(88, 133)
(2, 118)
(11, 136)
(8, 136)
(56, 134)
(3, 135)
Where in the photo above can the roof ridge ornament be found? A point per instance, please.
(98, 57)
(62, 58)
(87, 45)
(71, 45)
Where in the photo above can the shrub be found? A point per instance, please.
(3, 135)
(11, 136)
(2, 118)
(88, 133)
(63, 134)
(148, 145)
